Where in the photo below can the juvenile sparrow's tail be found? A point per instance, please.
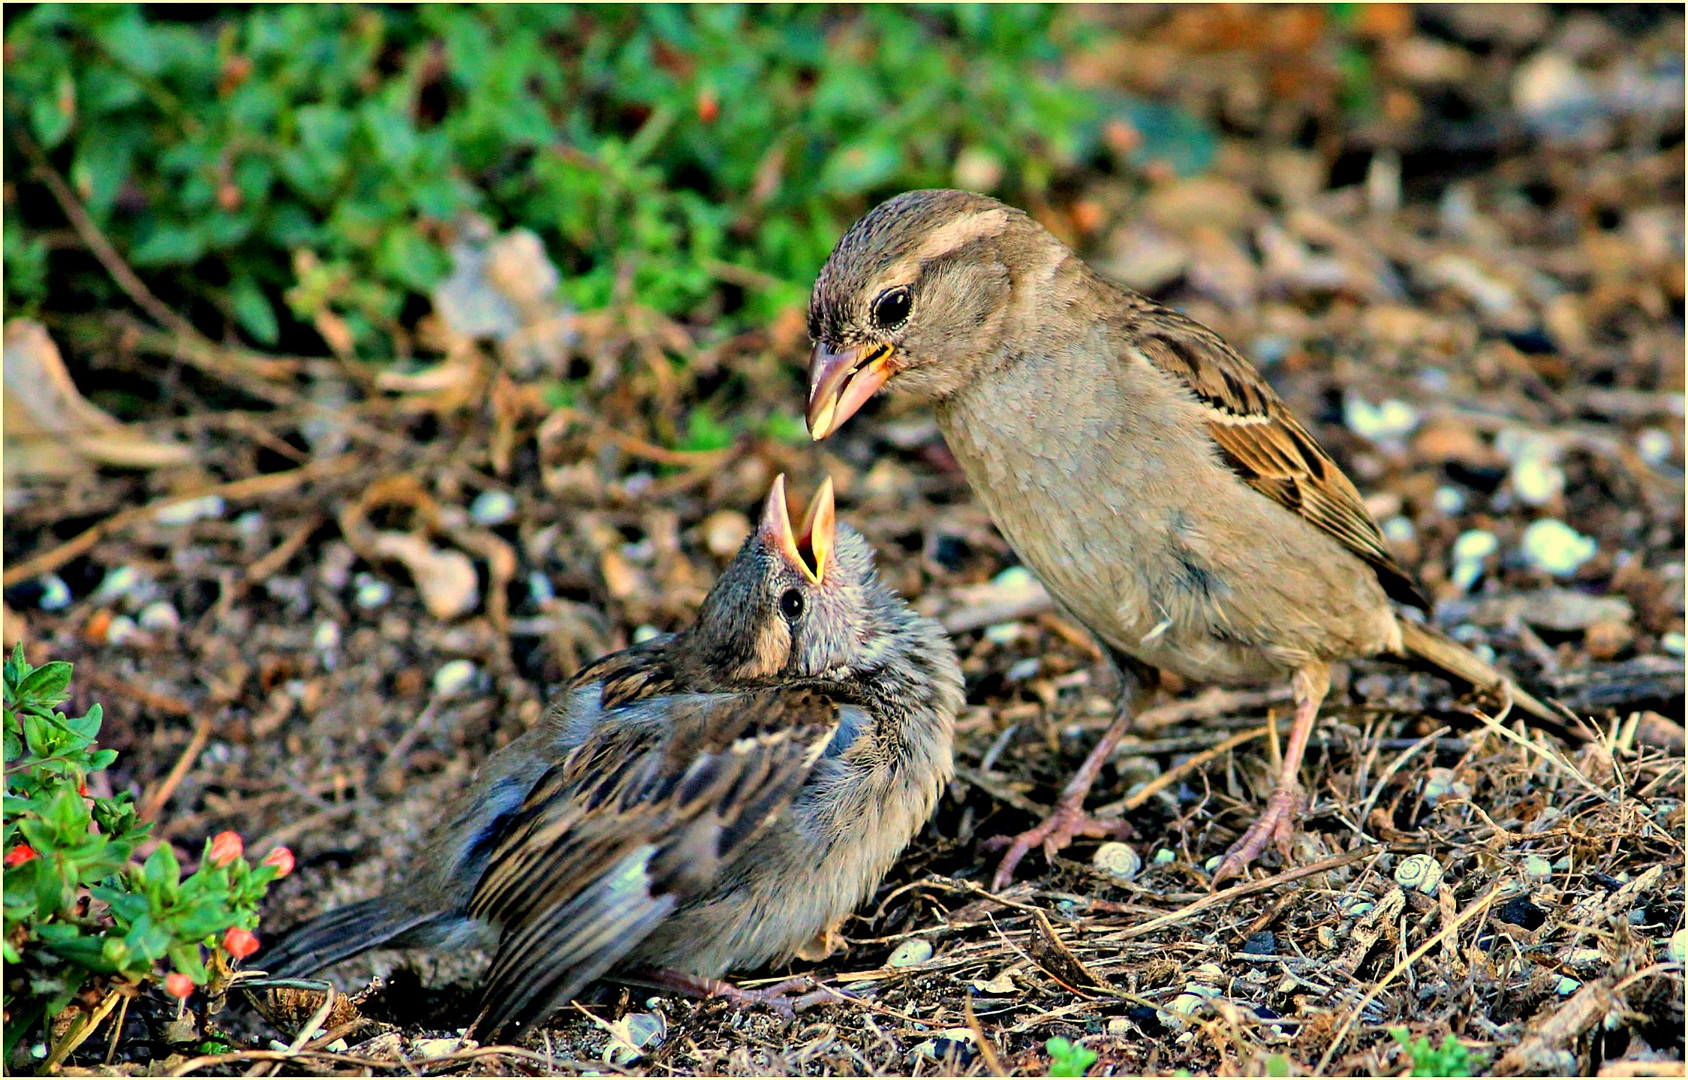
(346, 931)
(1420, 642)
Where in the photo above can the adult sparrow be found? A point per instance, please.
(1154, 482)
(700, 802)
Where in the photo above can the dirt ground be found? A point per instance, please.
(1475, 301)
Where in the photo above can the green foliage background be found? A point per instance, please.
(669, 149)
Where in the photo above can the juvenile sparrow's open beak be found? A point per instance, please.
(811, 548)
(841, 381)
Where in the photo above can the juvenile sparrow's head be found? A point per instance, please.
(807, 603)
(921, 289)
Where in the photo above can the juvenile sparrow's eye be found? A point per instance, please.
(791, 604)
(892, 308)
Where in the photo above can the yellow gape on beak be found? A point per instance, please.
(840, 382)
(812, 547)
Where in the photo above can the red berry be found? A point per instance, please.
(226, 847)
(282, 860)
(178, 985)
(240, 943)
(20, 854)
(708, 106)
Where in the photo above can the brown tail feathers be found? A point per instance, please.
(1431, 646)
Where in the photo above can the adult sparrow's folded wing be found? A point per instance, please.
(1263, 442)
(639, 818)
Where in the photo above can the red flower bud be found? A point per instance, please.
(708, 106)
(20, 854)
(240, 943)
(178, 985)
(282, 860)
(226, 847)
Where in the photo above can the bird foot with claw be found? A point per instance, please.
(1275, 826)
(1067, 823)
(783, 998)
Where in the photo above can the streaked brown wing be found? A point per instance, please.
(1265, 445)
(636, 820)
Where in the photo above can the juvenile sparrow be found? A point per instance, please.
(1146, 473)
(700, 802)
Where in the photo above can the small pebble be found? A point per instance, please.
(1165, 856)
(1391, 420)
(1118, 861)
(1015, 577)
(160, 616)
(453, 676)
(1469, 550)
(539, 588)
(1421, 872)
(1327, 937)
(492, 508)
(1399, 529)
(1212, 864)
(1556, 548)
(1002, 984)
(327, 636)
(338, 1046)
(119, 581)
(1654, 446)
(372, 592)
(1449, 500)
(121, 629)
(1674, 643)
(206, 506)
(1537, 481)
(55, 594)
(1023, 669)
(1442, 783)
(645, 633)
(909, 953)
(433, 1048)
(1537, 869)
(1002, 633)
(1354, 906)
(1567, 986)
(250, 523)
(1265, 943)
(1677, 950)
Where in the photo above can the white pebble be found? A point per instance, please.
(492, 508)
(911, 952)
(1537, 480)
(1390, 420)
(1186, 1004)
(1353, 905)
(1023, 669)
(1469, 550)
(1003, 983)
(1449, 500)
(119, 581)
(453, 676)
(250, 523)
(1002, 633)
(206, 506)
(1567, 986)
(1654, 446)
(1677, 949)
(55, 594)
(539, 588)
(1212, 863)
(161, 616)
(1555, 547)
(338, 1046)
(1421, 872)
(1674, 643)
(1015, 577)
(1537, 868)
(372, 592)
(1118, 861)
(1399, 529)
(1441, 783)
(327, 636)
(645, 633)
(1165, 856)
(121, 629)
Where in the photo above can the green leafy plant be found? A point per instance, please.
(1068, 1058)
(273, 170)
(83, 919)
(1449, 1059)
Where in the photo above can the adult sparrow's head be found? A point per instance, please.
(922, 290)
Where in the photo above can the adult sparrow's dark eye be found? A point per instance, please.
(892, 308)
(791, 604)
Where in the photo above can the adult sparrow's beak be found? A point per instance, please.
(840, 381)
(811, 547)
